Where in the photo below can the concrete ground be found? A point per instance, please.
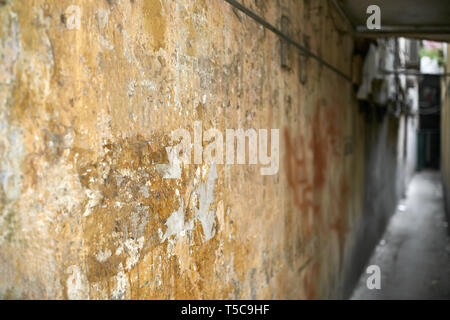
(414, 254)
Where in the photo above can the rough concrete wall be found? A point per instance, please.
(383, 182)
(408, 135)
(445, 134)
(86, 112)
(390, 158)
(410, 159)
(390, 163)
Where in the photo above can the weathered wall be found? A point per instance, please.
(390, 152)
(445, 134)
(380, 196)
(86, 114)
(387, 174)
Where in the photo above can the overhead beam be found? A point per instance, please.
(407, 29)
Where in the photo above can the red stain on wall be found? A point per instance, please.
(297, 177)
(318, 148)
(339, 224)
(310, 281)
(309, 159)
(325, 136)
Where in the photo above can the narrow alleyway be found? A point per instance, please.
(414, 254)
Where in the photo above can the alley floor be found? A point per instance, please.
(414, 254)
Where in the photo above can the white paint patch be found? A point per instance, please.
(9, 47)
(102, 256)
(12, 153)
(133, 249)
(105, 43)
(206, 198)
(104, 129)
(145, 191)
(102, 17)
(148, 84)
(94, 197)
(175, 224)
(77, 284)
(131, 88)
(173, 169)
(121, 284)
